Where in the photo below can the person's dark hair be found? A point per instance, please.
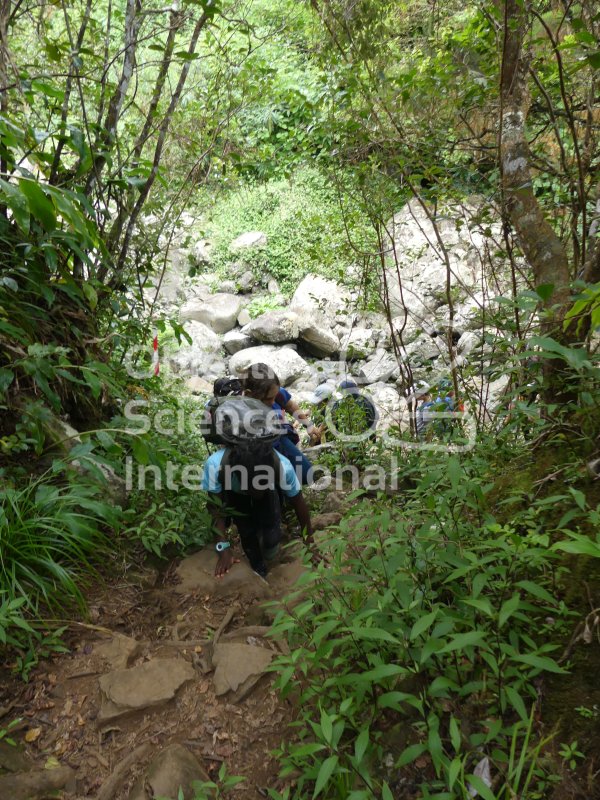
(258, 379)
(227, 387)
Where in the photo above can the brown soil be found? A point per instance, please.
(59, 706)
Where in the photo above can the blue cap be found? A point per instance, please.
(346, 385)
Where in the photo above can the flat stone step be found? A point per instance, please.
(172, 769)
(145, 686)
(239, 667)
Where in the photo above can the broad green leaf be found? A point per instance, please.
(140, 450)
(422, 624)
(91, 294)
(454, 734)
(386, 793)
(324, 775)
(579, 545)
(516, 702)
(326, 726)
(508, 609)
(482, 789)
(383, 671)
(372, 634)
(361, 744)
(411, 753)
(40, 206)
(545, 291)
(536, 590)
(539, 662)
(6, 378)
(454, 771)
(463, 640)
(17, 202)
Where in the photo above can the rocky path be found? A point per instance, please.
(170, 683)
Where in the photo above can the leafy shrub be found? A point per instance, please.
(304, 224)
(421, 638)
(50, 537)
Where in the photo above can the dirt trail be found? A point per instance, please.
(165, 686)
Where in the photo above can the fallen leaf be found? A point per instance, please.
(32, 735)
(52, 763)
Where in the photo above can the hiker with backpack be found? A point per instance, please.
(261, 383)
(248, 478)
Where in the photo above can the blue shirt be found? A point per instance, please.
(282, 395)
(290, 485)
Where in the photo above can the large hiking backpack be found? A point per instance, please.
(240, 420)
(249, 428)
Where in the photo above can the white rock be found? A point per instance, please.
(321, 295)
(415, 256)
(202, 357)
(219, 312)
(200, 252)
(243, 318)
(467, 342)
(236, 340)
(246, 282)
(391, 406)
(359, 343)
(318, 336)
(381, 367)
(288, 365)
(273, 327)
(248, 240)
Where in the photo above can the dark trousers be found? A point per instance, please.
(258, 520)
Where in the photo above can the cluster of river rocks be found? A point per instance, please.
(321, 333)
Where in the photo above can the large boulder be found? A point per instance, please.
(381, 367)
(317, 336)
(390, 404)
(414, 254)
(202, 357)
(273, 327)
(248, 240)
(317, 295)
(246, 282)
(286, 362)
(219, 311)
(359, 343)
(236, 340)
(325, 371)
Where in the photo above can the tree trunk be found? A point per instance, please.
(542, 247)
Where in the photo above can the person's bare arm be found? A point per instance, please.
(303, 514)
(303, 418)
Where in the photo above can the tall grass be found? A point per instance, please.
(50, 537)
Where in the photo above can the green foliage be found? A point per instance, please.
(4, 732)
(303, 223)
(570, 754)
(260, 305)
(420, 639)
(50, 535)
